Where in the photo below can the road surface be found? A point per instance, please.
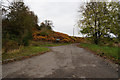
(67, 61)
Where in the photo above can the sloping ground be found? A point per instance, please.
(67, 61)
(47, 35)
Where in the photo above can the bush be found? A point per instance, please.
(52, 36)
(43, 34)
(9, 45)
(26, 39)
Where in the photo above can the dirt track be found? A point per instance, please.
(62, 62)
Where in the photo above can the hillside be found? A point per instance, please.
(52, 36)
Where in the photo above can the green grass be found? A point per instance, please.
(33, 49)
(25, 51)
(47, 44)
(109, 52)
(55, 44)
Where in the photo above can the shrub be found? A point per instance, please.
(65, 40)
(43, 34)
(52, 36)
(9, 45)
(25, 41)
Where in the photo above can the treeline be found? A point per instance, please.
(100, 20)
(18, 24)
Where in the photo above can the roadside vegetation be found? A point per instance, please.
(46, 44)
(100, 25)
(52, 36)
(100, 21)
(23, 37)
(24, 52)
(35, 48)
(106, 52)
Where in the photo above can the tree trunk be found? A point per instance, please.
(95, 36)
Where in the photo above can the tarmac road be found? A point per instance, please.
(67, 61)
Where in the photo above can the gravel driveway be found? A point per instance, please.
(67, 61)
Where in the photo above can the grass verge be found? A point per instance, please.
(24, 52)
(34, 49)
(110, 53)
(47, 44)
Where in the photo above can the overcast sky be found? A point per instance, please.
(64, 15)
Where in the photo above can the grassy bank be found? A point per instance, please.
(24, 51)
(33, 49)
(47, 44)
(104, 51)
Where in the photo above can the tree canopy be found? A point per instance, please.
(18, 23)
(99, 20)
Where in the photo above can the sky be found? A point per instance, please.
(64, 15)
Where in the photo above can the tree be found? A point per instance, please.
(114, 18)
(95, 21)
(47, 24)
(19, 22)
